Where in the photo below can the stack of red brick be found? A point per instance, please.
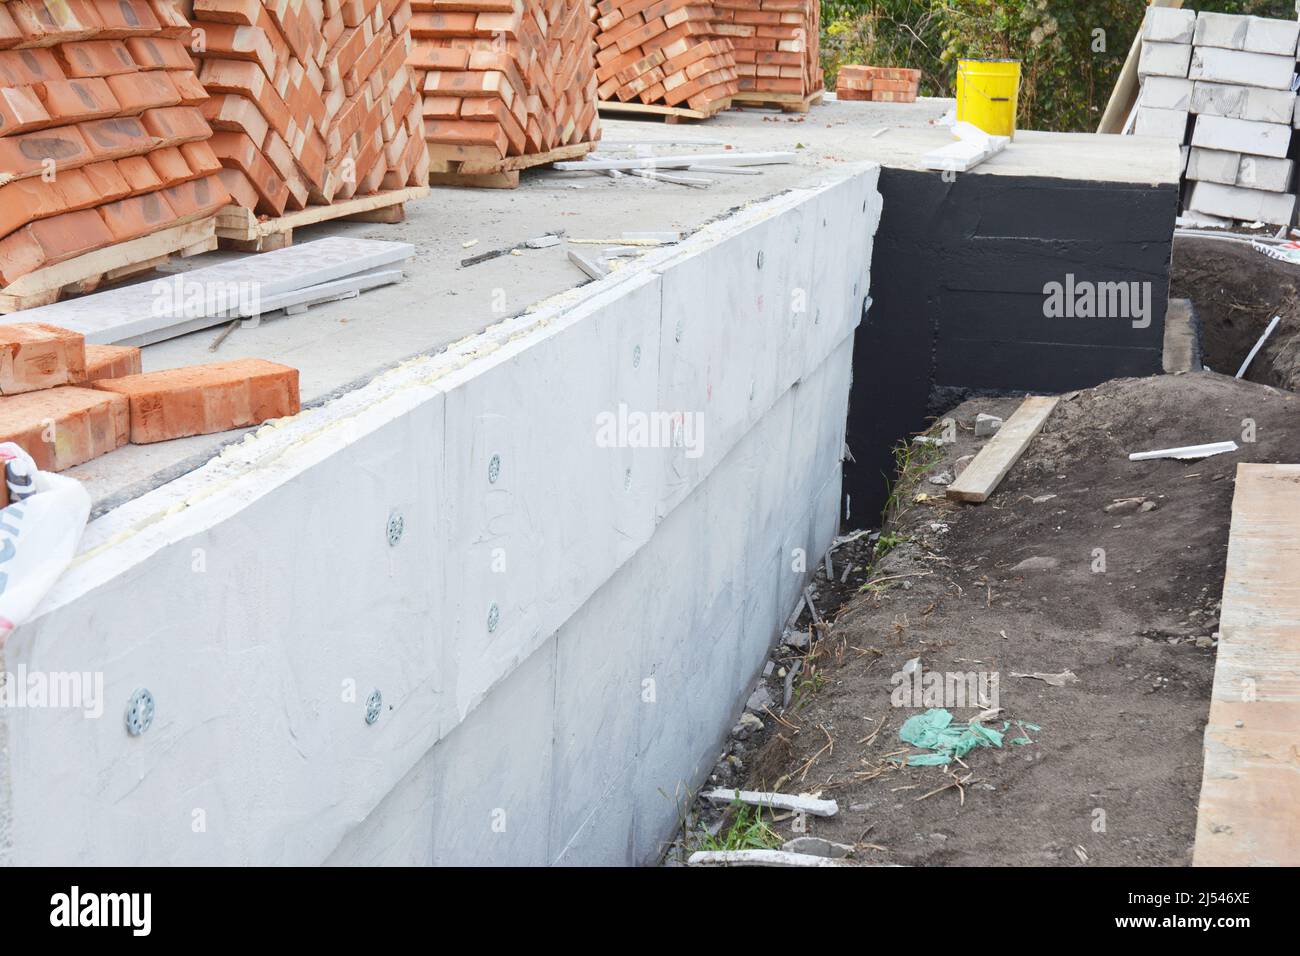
(880, 84)
(312, 100)
(504, 77)
(664, 52)
(65, 402)
(777, 43)
(101, 138)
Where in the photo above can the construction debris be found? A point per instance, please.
(1272, 326)
(774, 801)
(1056, 680)
(757, 858)
(982, 476)
(1187, 452)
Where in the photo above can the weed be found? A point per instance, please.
(747, 832)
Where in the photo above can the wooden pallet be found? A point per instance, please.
(88, 272)
(238, 228)
(476, 166)
(669, 114)
(785, 102)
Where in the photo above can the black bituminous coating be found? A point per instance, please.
(957, 281)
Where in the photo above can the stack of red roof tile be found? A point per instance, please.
(777, 43)
(504, 77)
(101, 137)
(664, 52)
(312, 100)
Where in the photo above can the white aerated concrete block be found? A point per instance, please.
(1246, 69)
(1272, 36)
(1167, 25)
(1233, 169)
(1243, 102)
(1167, 124)
(1242, 136)
(1247, 205)
(1164, 59)
(1213, 166)
(1261, 172)
(1253, 34)
(1224, 30)
(1166, 92)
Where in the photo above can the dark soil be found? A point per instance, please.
(1112, 777)
(1236, 290)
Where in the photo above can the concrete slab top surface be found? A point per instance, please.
(341, 345)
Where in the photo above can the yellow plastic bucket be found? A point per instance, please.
(988, 92)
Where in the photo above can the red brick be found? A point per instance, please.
(28, 67)
(139, 174)
(196, 198)
(10, 35)
(20, 111)
(137, 92)
(202, 399)
(74, 101)
(27, 154)
(169, 165)
(95, 58)
(137, 216)
(111, 361)
(227, 11)
(158, 53)
(127, 18)
(174, 25)
(173, 125)
(200, 159)
(237, 151)
(44, 22)
(188, 86)
(116, 137)
(34, 355)
(66, 426)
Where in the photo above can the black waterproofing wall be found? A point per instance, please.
(958, 280)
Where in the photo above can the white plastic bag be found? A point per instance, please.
(38, 538)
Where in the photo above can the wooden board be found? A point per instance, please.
(785, 102)
(87, 272)
(1124, 95)
(1004, 449)
(238, 228)
(1249, 812)
(669, 114)
(496, 173)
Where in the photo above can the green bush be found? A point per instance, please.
(1071, 51)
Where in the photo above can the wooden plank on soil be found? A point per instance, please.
(1004, 449)
(1250, 790)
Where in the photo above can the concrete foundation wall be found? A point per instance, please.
(563, 631)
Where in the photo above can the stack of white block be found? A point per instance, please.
(1233, 76)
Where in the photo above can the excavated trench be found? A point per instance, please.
(1235, 291)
